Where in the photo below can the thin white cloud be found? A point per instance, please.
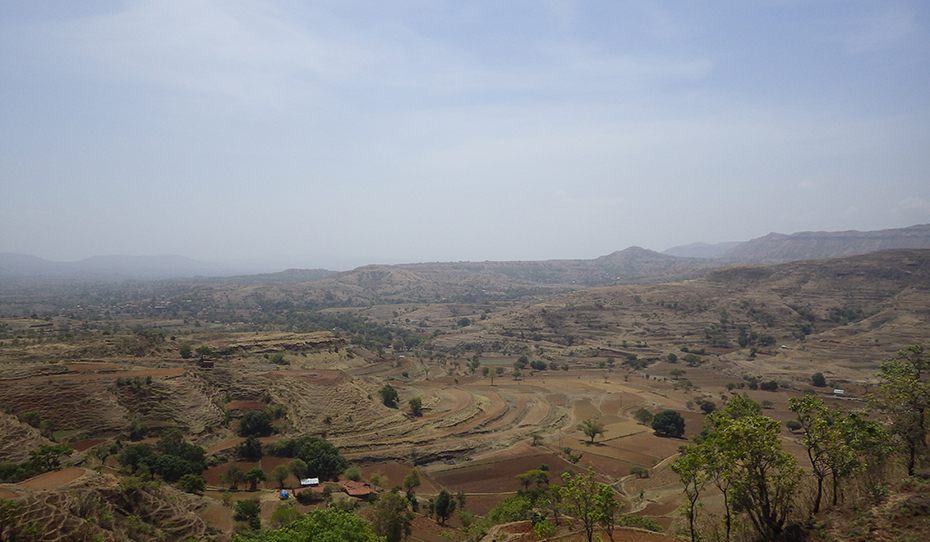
(229, 49)
(883, 30)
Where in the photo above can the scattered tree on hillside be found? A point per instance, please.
(444, 506)
(592, 428)
(389, 395)
(817, 379)
(416, 406)
(412, 480)
(643, 416)
(669, 423)
(255, 424)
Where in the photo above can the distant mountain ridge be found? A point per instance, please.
(781, 248)
(631, 265)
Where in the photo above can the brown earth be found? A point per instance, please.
(53, 480)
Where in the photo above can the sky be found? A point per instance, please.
(340, 133)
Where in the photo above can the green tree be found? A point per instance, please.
(817, 379)
(592, 428)
(676, 373)
(827, 450)
(416, 407)
(322, 458)
(322, 525)
(186, 351)
(904, 397)
(135, 455)
(298, 467)
(284, 515)
(192, 483)
(250, 449)
(391, 517)
(279, 474)
(234, 476)
(172, 468)
(412, 480)
(48, 456)
(708, 406)
(526, 478)
(670, 423)
(255, 424)
(607, 509)
(763, 477)
(389, 395)
(444, 506)
(205, 352)
(254, 476)
(692, 469)
(247, 510)
(578, 496)
(643, 416)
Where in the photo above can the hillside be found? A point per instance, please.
(504, 382)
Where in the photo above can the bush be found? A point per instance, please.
(353, 473)
(639, 471)
(192, 483)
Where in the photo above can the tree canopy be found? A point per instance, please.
(323, 525)
(669, 422)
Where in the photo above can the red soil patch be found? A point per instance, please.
(88, 367)
(212, 475)
(499, 476)
(7, 494)
(658, 509)
(246, 406)
(53, 480)
(82, 445)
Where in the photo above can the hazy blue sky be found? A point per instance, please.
(337, 133)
